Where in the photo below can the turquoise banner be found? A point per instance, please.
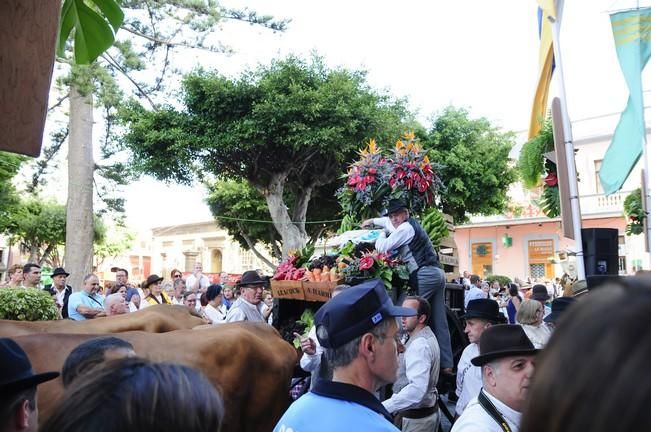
(632, 33)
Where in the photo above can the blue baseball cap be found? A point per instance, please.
(354, 312)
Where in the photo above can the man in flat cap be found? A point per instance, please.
(507, 364)
(18, 409)
(359, 332)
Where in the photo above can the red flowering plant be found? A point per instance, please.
(413, 178)
(374, 179)
(361, 262)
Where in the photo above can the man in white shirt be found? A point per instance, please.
(414, 400)
(480, 315)
(249, 304)
(197, 281)
(507, 362)
(406, 237)
(475, 292)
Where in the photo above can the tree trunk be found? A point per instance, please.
(79, 207)
(293, 236)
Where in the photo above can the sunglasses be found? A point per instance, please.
(176, 276)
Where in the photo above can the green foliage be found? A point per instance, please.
(9, 166)
(94, 27)
(531, 164)
(634, 212)
(236, 206)
(503, 280)
(39, 227)
(475, 163)
(550, 202)
(26, 304)
(289, 128)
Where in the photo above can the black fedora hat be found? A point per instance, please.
(152, 279)
(503, 340)
(251, 277)
(395, 205)
(60, 271)
(558, 307)
(16, 370)
(539, 292)
(485, 309)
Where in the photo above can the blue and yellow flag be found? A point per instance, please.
(632, 34)
(546, 66)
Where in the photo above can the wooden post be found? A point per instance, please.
(28, 33)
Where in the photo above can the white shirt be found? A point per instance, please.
(418, 363)
(538, 335)
(469, 381)
(310, 362)
(473, 293)
(237, 314)
(215, 315)
(398, 236)
(476, 419)
(192, 279)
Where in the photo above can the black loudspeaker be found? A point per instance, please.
(600, 251)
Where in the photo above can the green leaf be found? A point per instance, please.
(94, 33)
(112, 12)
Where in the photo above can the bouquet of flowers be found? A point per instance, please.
(374, 179)
(364, 262)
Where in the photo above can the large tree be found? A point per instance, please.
(152, 34)
(476, 169)
(38, 227)
(243, 212)
(288, 129)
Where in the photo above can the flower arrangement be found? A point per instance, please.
(358, 262)
(375, 178)
(634, 213)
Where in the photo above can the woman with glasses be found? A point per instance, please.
(530, 317)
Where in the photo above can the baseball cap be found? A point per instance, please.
(354, 312)
(16, 370)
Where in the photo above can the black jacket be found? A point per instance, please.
(52, 290)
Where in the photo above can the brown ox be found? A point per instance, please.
(154, 319)
(248, 362)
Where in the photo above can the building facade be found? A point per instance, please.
(526, 244)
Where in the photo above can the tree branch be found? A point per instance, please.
(169, 43)
(106, 56)
(252, 248)
(59, 102)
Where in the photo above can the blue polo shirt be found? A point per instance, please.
(83, 298)
(334, 406)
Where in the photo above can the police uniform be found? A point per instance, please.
(335, 406)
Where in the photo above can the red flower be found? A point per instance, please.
(551, 180)
(366, 262)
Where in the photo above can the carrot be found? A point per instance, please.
(310, 276)
(317, 273)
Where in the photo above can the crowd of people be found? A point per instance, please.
(247, 299)
(536, 359)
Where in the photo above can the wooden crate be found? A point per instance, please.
(318, 291)
(287, 289)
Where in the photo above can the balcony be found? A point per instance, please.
(591, 205)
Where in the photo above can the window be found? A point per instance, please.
(597, 170)
(249, 261)
(482, 259)
(622, 264)
(537, 271)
